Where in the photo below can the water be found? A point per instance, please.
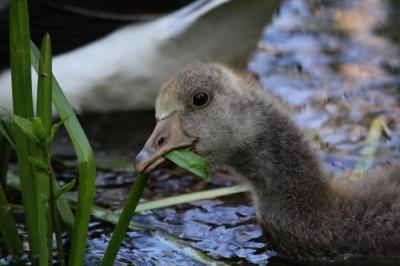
(336, 64)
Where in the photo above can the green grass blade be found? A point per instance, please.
(87, 168)
(191, 162)
(25, 126)
(44, 94)
(124, 220)
(22, 105)
(43, 176)
(190, 197)
(8, 228)
(66, 213)
(20, 57)
(7, 130)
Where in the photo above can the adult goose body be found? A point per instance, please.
(124, 69)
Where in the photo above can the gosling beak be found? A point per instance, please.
(166, 136)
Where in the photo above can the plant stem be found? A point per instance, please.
(22, 105)
(44, 93)
(43, 153)
(56, 220)
(123, 222)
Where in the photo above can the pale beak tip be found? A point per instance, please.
(141, 159)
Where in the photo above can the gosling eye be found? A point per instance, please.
(200, 99)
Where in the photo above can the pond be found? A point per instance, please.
(335, 63)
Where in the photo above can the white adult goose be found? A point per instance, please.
(124, 69)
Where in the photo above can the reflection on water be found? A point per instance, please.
(336, 63)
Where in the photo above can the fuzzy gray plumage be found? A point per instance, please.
(305, 214)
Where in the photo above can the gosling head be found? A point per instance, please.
(208, 108)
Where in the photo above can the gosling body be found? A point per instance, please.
(306, 214)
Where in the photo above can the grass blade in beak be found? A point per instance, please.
(191, 162)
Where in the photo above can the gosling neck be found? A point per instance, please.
(283, 170)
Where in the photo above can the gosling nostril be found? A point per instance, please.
(160, 141)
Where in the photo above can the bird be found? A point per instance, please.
(306, 214)
(122, 70)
